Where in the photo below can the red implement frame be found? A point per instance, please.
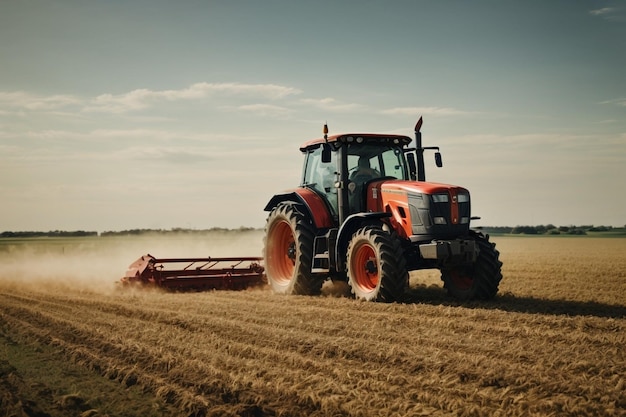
(196, 274)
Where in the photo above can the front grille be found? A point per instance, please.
(431, 220)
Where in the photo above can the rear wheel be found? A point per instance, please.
(376, 265)
(479, 281)
(288, 252)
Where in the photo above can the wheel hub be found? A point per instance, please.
(370, 266)
(291, 251)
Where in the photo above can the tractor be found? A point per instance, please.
(364, 214)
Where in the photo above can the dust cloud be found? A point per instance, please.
(97, 263)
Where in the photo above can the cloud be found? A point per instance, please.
(5, 113)
(271, 91)
(542, 144)
(28, 101)
(266, 110)
(603, 11)
(618, 102)
(173, 155)
(332, 104)
(142, 98)
(149, 136)
(428, 111)
(138, 99)
(609, 13)
(109, 103)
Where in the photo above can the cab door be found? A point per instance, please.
(320, 174)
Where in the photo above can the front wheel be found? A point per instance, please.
(478, 281)
(376, 265)
(288, 252)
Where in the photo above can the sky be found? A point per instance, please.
(119, 115)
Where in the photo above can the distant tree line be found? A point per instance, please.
(176, 230)
(131, 232)
(55, 233)
(548, 229)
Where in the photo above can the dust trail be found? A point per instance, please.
(97, 263)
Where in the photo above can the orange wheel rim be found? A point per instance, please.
(365, 268)
(282, 252)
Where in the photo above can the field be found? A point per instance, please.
(71, 344)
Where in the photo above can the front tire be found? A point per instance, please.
(479, 281)
(288, 252)
(376, 265)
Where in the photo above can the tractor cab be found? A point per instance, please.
(340, 168)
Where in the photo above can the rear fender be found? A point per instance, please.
(347, 229)
(314, 205)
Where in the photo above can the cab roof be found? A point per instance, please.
(370, 138)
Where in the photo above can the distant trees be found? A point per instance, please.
(176, 230)
(496, 229)
(131, 232)
(55, 233)
(548, 229)
(600, 229)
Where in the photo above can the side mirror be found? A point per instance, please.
(438, 160)
(410, 158)
(326, 153)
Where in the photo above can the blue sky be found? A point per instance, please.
(153, 114)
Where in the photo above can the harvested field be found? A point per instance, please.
(552, 343)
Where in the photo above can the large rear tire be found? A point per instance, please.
(479, 281)
(288, 252)
(376, 265)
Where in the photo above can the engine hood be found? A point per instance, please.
(421, 187)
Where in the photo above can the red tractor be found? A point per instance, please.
(365, 214)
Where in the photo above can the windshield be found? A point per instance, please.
(385, 161)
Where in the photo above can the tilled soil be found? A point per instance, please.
(537, 349)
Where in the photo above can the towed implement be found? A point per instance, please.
(195, 274)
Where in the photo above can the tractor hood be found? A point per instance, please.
(422, 187)
(423, 209)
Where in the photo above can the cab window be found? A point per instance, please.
(322, 176)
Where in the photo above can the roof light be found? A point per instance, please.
(359, 139)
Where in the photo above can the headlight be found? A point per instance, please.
(440, 198)
(463, 198)
(439, 220)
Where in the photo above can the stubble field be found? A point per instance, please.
(71, 344)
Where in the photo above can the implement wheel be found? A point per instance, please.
(376, 265)
(479, 281)
(288, 252)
